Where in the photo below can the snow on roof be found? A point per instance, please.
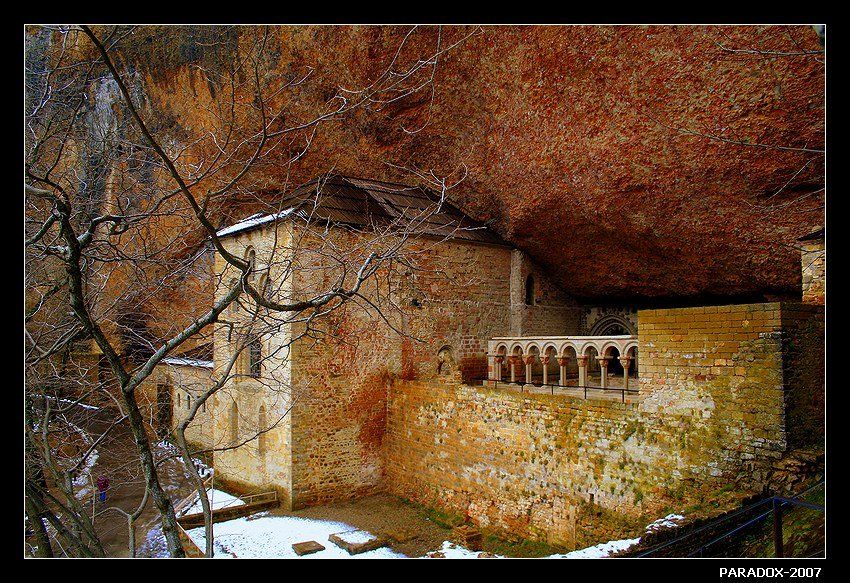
(253, 221)
(177, 361)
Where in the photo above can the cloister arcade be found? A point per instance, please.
(565, 361)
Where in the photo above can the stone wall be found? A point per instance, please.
(711, 413)
(458, 296)
(174, 387)
(804, 380)
(550, 313)
(597, 319)
(813, 258)
(438, 309)
(253, 412)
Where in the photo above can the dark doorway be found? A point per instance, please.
(163, 410)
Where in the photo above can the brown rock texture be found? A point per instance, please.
(573, 141)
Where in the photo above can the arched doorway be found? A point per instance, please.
(613, 325)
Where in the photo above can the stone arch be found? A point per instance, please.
(612, 351)
(446, 361)
(566, 347)
(608, 348)
(631, 350)
(613, 325)
(585, 347)
(533, 345)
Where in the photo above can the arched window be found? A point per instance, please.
(251, 258)
(234, 423)
(529, 290)
(188, 401)
(179, 399)
(255, 357)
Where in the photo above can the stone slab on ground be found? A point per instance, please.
(307, 548)
(357, 541)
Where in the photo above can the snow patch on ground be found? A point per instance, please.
(265, 536)
(273, 536)
(356, 537)
(218, 499)
(450, 550)
(668, 521)
(599, 551)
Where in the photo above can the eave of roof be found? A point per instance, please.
(357, 201)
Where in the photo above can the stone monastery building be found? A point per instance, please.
(464, 379)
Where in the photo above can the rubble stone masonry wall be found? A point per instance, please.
(458, 297)
(712, 412)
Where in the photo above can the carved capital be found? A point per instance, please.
(563, 361)
(582, 360)
(528, 359)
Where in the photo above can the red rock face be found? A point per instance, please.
(562, 134)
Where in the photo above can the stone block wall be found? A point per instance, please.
(455, 299)
(725, 362)
(251, 411)
(712, 412)
(803, 371)
(182, 382)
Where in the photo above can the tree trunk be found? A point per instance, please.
(160, 498)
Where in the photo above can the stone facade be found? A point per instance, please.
(329, 445)
(173, 388)
(358, 404)
(713, 412)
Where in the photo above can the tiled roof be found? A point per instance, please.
(356, 201)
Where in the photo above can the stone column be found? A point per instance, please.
(497, 367)
(603, 366)
(513, 360)
(528, 360)
(562, 364)
(545, 358)
(626, 361)
(582, 370)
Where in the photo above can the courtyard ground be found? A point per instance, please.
(413, 531)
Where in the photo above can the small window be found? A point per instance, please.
(188, 401)
(251, 258)
(179, 400)
(255, 356)
(529, 290)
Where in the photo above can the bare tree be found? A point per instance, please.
(123, 206)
